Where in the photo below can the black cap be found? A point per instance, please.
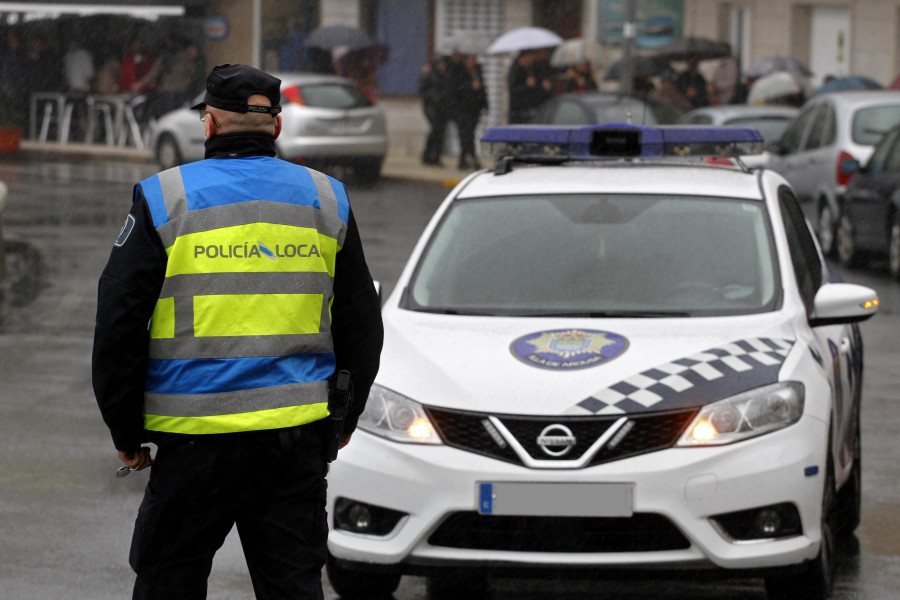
(229, 86)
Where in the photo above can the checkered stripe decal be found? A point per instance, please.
(693, 380)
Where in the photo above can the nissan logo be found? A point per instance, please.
(556, 440)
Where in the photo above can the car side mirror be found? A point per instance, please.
(839, 303)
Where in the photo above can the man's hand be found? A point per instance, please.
(140, 458)
(345, 439)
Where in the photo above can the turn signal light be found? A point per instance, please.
(869, 304)
(292, 94)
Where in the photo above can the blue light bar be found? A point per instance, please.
(619, 140)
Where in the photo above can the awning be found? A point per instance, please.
(16, 12)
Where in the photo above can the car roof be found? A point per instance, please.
(854, 98)
(727, 111)
(616, 177)
(289, 79)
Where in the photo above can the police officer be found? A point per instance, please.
(252, 277)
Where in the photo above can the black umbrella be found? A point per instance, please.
(332, 36)
(693, 47)
(642, 66)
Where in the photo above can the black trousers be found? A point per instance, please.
(272, 486)
(434, 143)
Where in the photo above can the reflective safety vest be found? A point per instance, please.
(240, 338)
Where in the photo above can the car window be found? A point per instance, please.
(768, 127)
(332, 95)
(567, 113)
(622, 254)
(892, 165)
(877, 163)
(817, 129)
(829, 134)
(869, 124)
(627, 110)
(804, 256)
(793, 135)
(698, 120)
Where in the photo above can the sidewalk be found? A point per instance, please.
(395, 167)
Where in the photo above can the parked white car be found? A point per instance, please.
(326, 121)
(602, 357)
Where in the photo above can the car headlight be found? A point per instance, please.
(397, 418)
(746, 415)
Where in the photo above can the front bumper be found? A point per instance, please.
(684, 485)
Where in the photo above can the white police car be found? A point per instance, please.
(601, 357)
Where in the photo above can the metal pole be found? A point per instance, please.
(257, 34)
(628, 35)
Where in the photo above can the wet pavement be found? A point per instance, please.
(65, 520)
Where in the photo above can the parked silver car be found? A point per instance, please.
(327, 121)
(831, 132)
(770, 120)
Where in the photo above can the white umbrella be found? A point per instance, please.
(775, 87)
(573, 52)
(524, 38)
(466, 41)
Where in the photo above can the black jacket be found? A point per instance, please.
(129, 288)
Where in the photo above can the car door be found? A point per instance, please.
(816, 170)
(831, 345)
(869, 194)
(790, 160)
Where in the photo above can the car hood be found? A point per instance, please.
(579, 367)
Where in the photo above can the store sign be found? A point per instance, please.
(216, 27)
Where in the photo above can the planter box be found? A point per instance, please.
(10, 138)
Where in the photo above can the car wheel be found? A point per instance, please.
(367, 170)
(894, 248)
(827, 222)
(349, 583)
(847, 251)
(849, 499)
(167, 153)
(456, 586)
(816, 579)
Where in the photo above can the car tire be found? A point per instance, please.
(367, 170)
(816, 580)
(167, 153)
(827, 228)
(894, 247)
(351, 584)
(457, 585)
(847, 251)
(849, 499)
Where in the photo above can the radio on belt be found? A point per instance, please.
(619, 140)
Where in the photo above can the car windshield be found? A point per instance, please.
(869, 124)
(632, 110)
(598, 255)
(769, 128)
(333, 95)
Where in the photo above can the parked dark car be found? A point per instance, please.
(594, 108)
(869, 225)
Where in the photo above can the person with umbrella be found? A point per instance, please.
(692, 84)
(579, 78)
(527, 89)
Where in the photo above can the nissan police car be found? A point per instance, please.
(617, 350)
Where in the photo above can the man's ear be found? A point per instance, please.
(211, 127)
(277, 126)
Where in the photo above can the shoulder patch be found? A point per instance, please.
(126, 230)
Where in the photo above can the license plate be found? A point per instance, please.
(556, 499)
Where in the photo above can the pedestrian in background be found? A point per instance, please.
(251, 274)
(692, 84)
(579, 78)
(528, 87)
(434, 88)
(136, 71)
(469, 101)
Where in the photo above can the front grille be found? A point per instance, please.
(642, 532)
(642, 433)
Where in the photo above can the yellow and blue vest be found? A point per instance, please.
(240, 338)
